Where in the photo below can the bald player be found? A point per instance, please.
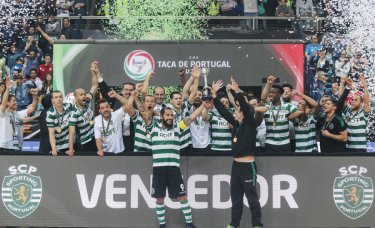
(81, 122)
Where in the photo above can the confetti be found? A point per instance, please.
(354, 22)
(158, 20)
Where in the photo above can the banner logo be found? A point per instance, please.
(137, 64)
(21, 192)
(353, 193)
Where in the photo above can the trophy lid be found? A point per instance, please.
(205, 70)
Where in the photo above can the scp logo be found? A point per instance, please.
(353, 192)
(21, 191)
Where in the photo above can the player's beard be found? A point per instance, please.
(166, 124)
(197, 103)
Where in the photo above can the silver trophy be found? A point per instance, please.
(206, 90)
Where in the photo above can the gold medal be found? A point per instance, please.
(91, 122)
(235, 139)
(148, 136)
(58, 129)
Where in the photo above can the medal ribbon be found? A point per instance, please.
(105, 129)
(275, 118)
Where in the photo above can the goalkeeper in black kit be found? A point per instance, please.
(244, 170)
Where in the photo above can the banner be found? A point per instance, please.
(249, 63)
(303, 191)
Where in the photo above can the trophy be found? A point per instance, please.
(206, 90)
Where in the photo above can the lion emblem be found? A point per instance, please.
(353, 195)
(21, 194)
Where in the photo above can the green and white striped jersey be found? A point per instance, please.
(141, 142)
(83, 119)
(277, 123)
(221, 134)
(166, 144)
(60, 122)
(306, 134)
(357, 128)
(185, 137)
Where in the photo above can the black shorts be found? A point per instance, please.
(167, 177)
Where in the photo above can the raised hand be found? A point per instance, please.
(138, 86)
(234, 84)
(135, 94)
(8, 83)
(95, 67)
(228, 87)
(196, 71)
(181, 72)
(271, 79)
(150, 74)
(362, 81)
(112, 94)
(216, 86)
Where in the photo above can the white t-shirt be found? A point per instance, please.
(200, 133)
(250, 6)
(9, 120)
(113, 137)
(126, 125)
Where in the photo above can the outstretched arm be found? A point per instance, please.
(230, 95)
(196, 72)
(34, 105)
(308, 99)
(181, 74)
(112, 94)
(146, 83)
(188, 120)
(95, 73)
(186, 88)
(245, 108)
(45, 35)
(344, 95)
(366, 96)
(219, 106)
(104, 88)
(146, 116)
(270, 80)
(4, 101)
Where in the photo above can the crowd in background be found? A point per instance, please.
(26, 58)
(287, 120)
(329, 59)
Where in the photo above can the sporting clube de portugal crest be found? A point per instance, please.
(137, 64)
(21, 191)
(353, 192)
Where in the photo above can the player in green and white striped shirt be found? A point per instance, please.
(166, 138)
(356, 116)
(142, 137)
(182, 109)
(81, 123)
(276, 118)
(58, 124)
(305, 123)
(221, 132)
